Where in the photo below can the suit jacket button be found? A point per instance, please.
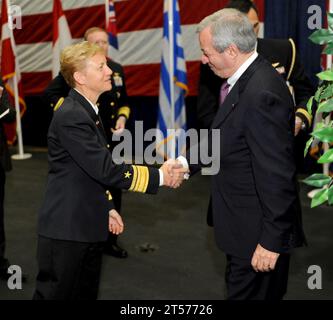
(108, 146)
(112, 104)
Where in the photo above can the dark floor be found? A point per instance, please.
(186, 263)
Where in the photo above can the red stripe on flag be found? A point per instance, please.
(36, 27)
(149, 75)
(35, 82)
(8, 64)
(57, 13)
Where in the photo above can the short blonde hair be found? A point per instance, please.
(73, 58)
(92, 30)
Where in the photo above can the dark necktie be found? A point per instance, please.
(224, 91)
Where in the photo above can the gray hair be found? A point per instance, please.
(230, 26)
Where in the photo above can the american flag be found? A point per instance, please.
(139, 33)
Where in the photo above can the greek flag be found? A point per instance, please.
(171, 124)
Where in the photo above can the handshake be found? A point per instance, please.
(174, 173)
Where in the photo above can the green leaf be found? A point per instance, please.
(318, 93)
(319, 125)
(327, 157)
(319, 198)
(330, 195)
(307, 146)
(328, 49)
(327, 92)
(317, 180)
(321, 36)
(309, 105)
(325, 134)
(326, 75)
(330, 20)
(326, 106)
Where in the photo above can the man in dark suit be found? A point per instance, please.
(114, 112)
(254, 193)
(7, 114)
(77, 211)
(281, 53)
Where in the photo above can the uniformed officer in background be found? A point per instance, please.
(7, 115)
(113, 109)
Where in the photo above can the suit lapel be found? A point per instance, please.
(232, 99)
(88, 108)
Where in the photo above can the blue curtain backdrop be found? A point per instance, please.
(289, 19)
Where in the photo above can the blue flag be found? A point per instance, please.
(173, 86)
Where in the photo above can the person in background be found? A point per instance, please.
(7, 115)
(114, 111)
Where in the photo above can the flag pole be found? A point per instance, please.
(106, 13)
(172, 73)
(21, 155)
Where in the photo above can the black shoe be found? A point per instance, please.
(115, 251)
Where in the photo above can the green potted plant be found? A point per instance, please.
(323, 130)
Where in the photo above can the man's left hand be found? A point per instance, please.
(264, 260)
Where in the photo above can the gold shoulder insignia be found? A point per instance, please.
(125, 111)
(58, 104)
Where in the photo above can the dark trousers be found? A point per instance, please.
(2, 218)
(243, 283)
(116, 198)
(67, 270)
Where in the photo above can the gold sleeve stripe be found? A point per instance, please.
(140, 179)
(306, 114)
(135, 176)
(59, 103)
(124, 111)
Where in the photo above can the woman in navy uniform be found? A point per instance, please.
(113, 109)
(77, 212)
